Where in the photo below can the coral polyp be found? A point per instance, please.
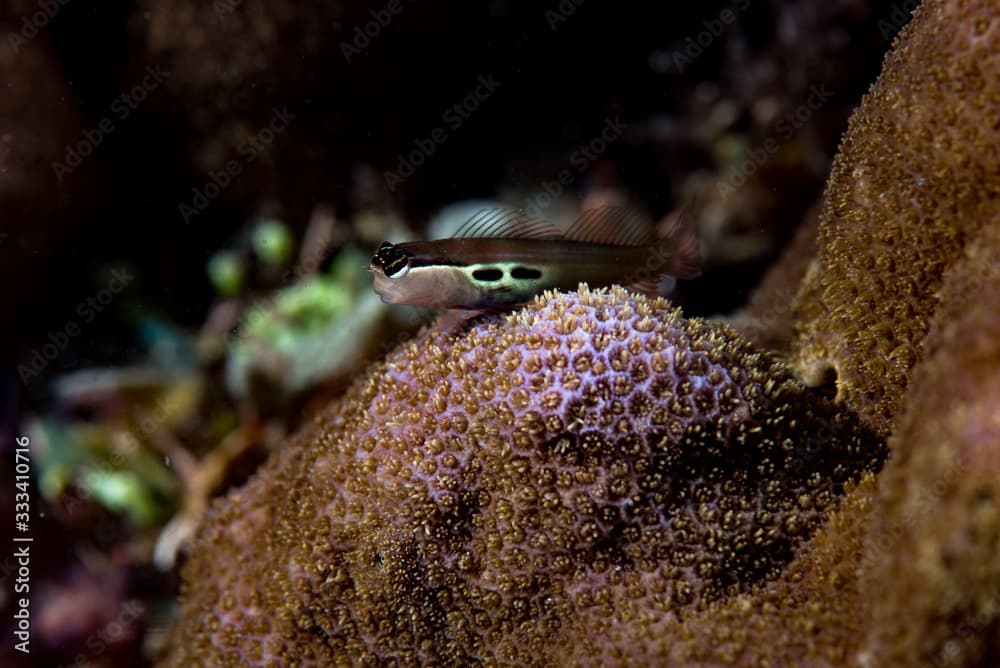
(485, 491)
(916, 175)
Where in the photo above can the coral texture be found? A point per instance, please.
(903, 278)
(806, 617)
(591, 463)
(914, 177)
(935, 574)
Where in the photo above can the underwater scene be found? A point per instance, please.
(556, 333)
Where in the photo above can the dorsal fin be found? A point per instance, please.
(506, 224)
(612, 225)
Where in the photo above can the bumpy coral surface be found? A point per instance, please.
(936, 539)
(915, 175)
(809, 616)
(523, 489)
(903, 278)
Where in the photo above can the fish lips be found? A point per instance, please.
(385, 288)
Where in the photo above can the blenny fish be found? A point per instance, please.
(502, 257)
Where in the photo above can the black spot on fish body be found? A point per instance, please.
(525, 273)
(489, 275)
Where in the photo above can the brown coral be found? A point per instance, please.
(935, 572)
(907, 576)
(915, 176)
(592, 463)
(929, 587)
(807, 617)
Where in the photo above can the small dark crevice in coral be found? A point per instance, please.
(453, 527)
(827, 387)
(609, 551)
(409, 603)
(564, 446)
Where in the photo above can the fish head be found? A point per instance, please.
(401, 279)
(422, 286)
(390, 261)
(394, 282)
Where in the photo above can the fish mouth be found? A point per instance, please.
(387, 291)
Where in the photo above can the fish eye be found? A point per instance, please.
(382, 254)
(394, 261)
(397, 268)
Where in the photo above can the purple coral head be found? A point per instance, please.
(635, 434)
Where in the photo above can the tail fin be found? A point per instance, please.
(680, 233)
